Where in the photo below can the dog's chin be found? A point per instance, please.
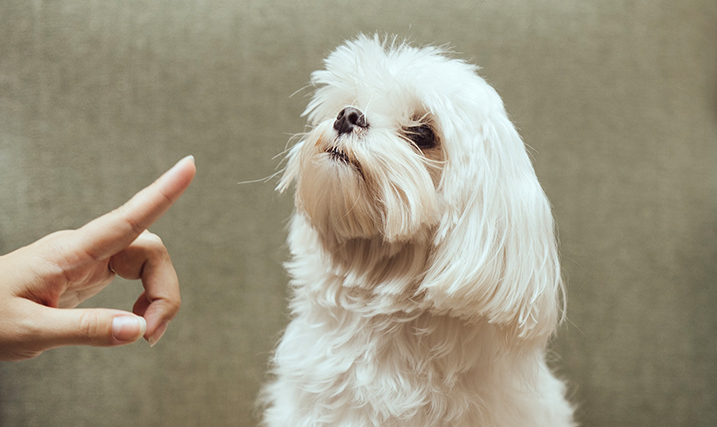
(350, 192)
(334, 195)
(341, 158)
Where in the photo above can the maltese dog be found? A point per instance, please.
(425, 275)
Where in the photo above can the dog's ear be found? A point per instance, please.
(495, 254)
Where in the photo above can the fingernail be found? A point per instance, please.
(128, 328)
(190, 158)
(179, 163)
(157, 334)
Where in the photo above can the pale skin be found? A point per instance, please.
(42, 283)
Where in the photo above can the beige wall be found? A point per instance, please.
(618, 99)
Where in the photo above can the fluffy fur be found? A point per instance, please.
(425, 280)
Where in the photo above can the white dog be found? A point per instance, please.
(425, 275)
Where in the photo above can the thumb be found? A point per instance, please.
(94, 326)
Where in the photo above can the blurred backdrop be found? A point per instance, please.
(618, 100)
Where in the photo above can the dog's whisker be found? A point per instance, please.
(300, 90)
(262, 180)
(281, 154)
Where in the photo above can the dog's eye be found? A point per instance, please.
(422, 136)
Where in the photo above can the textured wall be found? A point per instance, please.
(618, 99)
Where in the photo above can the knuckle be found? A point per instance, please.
(173, 305)
(57, 235)
(125, 215)
(151, 237)
(90, 326)
(176, 303)
(153, 243)
(17, 355)
(28, 354)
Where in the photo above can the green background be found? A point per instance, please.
(618, 99)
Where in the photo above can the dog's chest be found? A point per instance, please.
(420, 367)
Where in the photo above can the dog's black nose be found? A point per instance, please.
(348, 119)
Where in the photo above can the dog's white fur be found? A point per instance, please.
(425, 283)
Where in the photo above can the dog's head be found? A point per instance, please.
(410, 146)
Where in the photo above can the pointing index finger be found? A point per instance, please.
(112, 232)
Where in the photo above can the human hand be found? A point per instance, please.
(40, 284)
